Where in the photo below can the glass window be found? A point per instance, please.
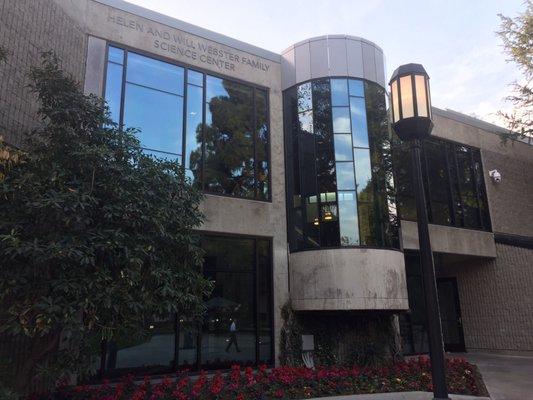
(363, 174)
(115, 55)
(236, 327)
(467, 187)
(348, 223)
(193, 139)
(154, 74)
(113, 90)
(437, 175)
(368, 222)
(306, 121)
(345, 176)
(455, 193)
(339, 92)
(160, 128)
(304, 97)
(262, 145)
(195, 78)
(359, 125)
(322, 184)
(343, 147)
(228, 332)
(356, 88)
(223, 151)
(153, 352)
(228, 137)
(264, 306)
(341, 120)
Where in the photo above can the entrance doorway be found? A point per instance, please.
(413, 324)
(450, 315)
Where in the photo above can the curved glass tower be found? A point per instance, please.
(338, 162)
(339, 178)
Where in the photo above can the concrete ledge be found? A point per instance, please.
(451, 240)
(348, 279)
(399, 396)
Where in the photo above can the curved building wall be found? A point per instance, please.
(348, 279)
(332, 55)
(338, 158)
(339, 178)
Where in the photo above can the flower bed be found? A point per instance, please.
(283, 383)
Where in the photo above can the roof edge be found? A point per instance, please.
(476, 122)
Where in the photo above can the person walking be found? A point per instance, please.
(233, 337)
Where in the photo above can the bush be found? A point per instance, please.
(283, 383)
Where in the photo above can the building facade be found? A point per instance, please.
(309, 211)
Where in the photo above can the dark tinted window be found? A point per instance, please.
(453, 182)
(235, 329)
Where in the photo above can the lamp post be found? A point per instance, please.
(411, 118)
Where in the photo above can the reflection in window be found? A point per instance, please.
(345, 176)
(193, 138)
(153, 352)
(339, 92)
(160, 128)
(113, 85)
(358, 117)
(222, 141)
(341, 120)
(229, 138)
(453, 183)
(363, 174)
(343, 147)
(237, 325)
(236, 328)
(348, 222)
(334, 162)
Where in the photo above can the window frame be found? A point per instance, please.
(186, 66)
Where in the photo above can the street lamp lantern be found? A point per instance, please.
(411, 120)
(411, 102)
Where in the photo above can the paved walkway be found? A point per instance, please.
(400, 396)
(506, 377)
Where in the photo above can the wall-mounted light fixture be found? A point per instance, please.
(495, 175)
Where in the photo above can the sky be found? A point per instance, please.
(454, 40)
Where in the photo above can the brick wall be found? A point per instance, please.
(27, 28)
(496, 299)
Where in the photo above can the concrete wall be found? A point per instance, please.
(451, 240)
(147, 31)
(496, 299)
(348, 279)
(28, 28)
(511, 200)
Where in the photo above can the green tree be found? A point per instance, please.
(517, 36)
(96, 238)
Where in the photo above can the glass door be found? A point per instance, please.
(450, 314)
